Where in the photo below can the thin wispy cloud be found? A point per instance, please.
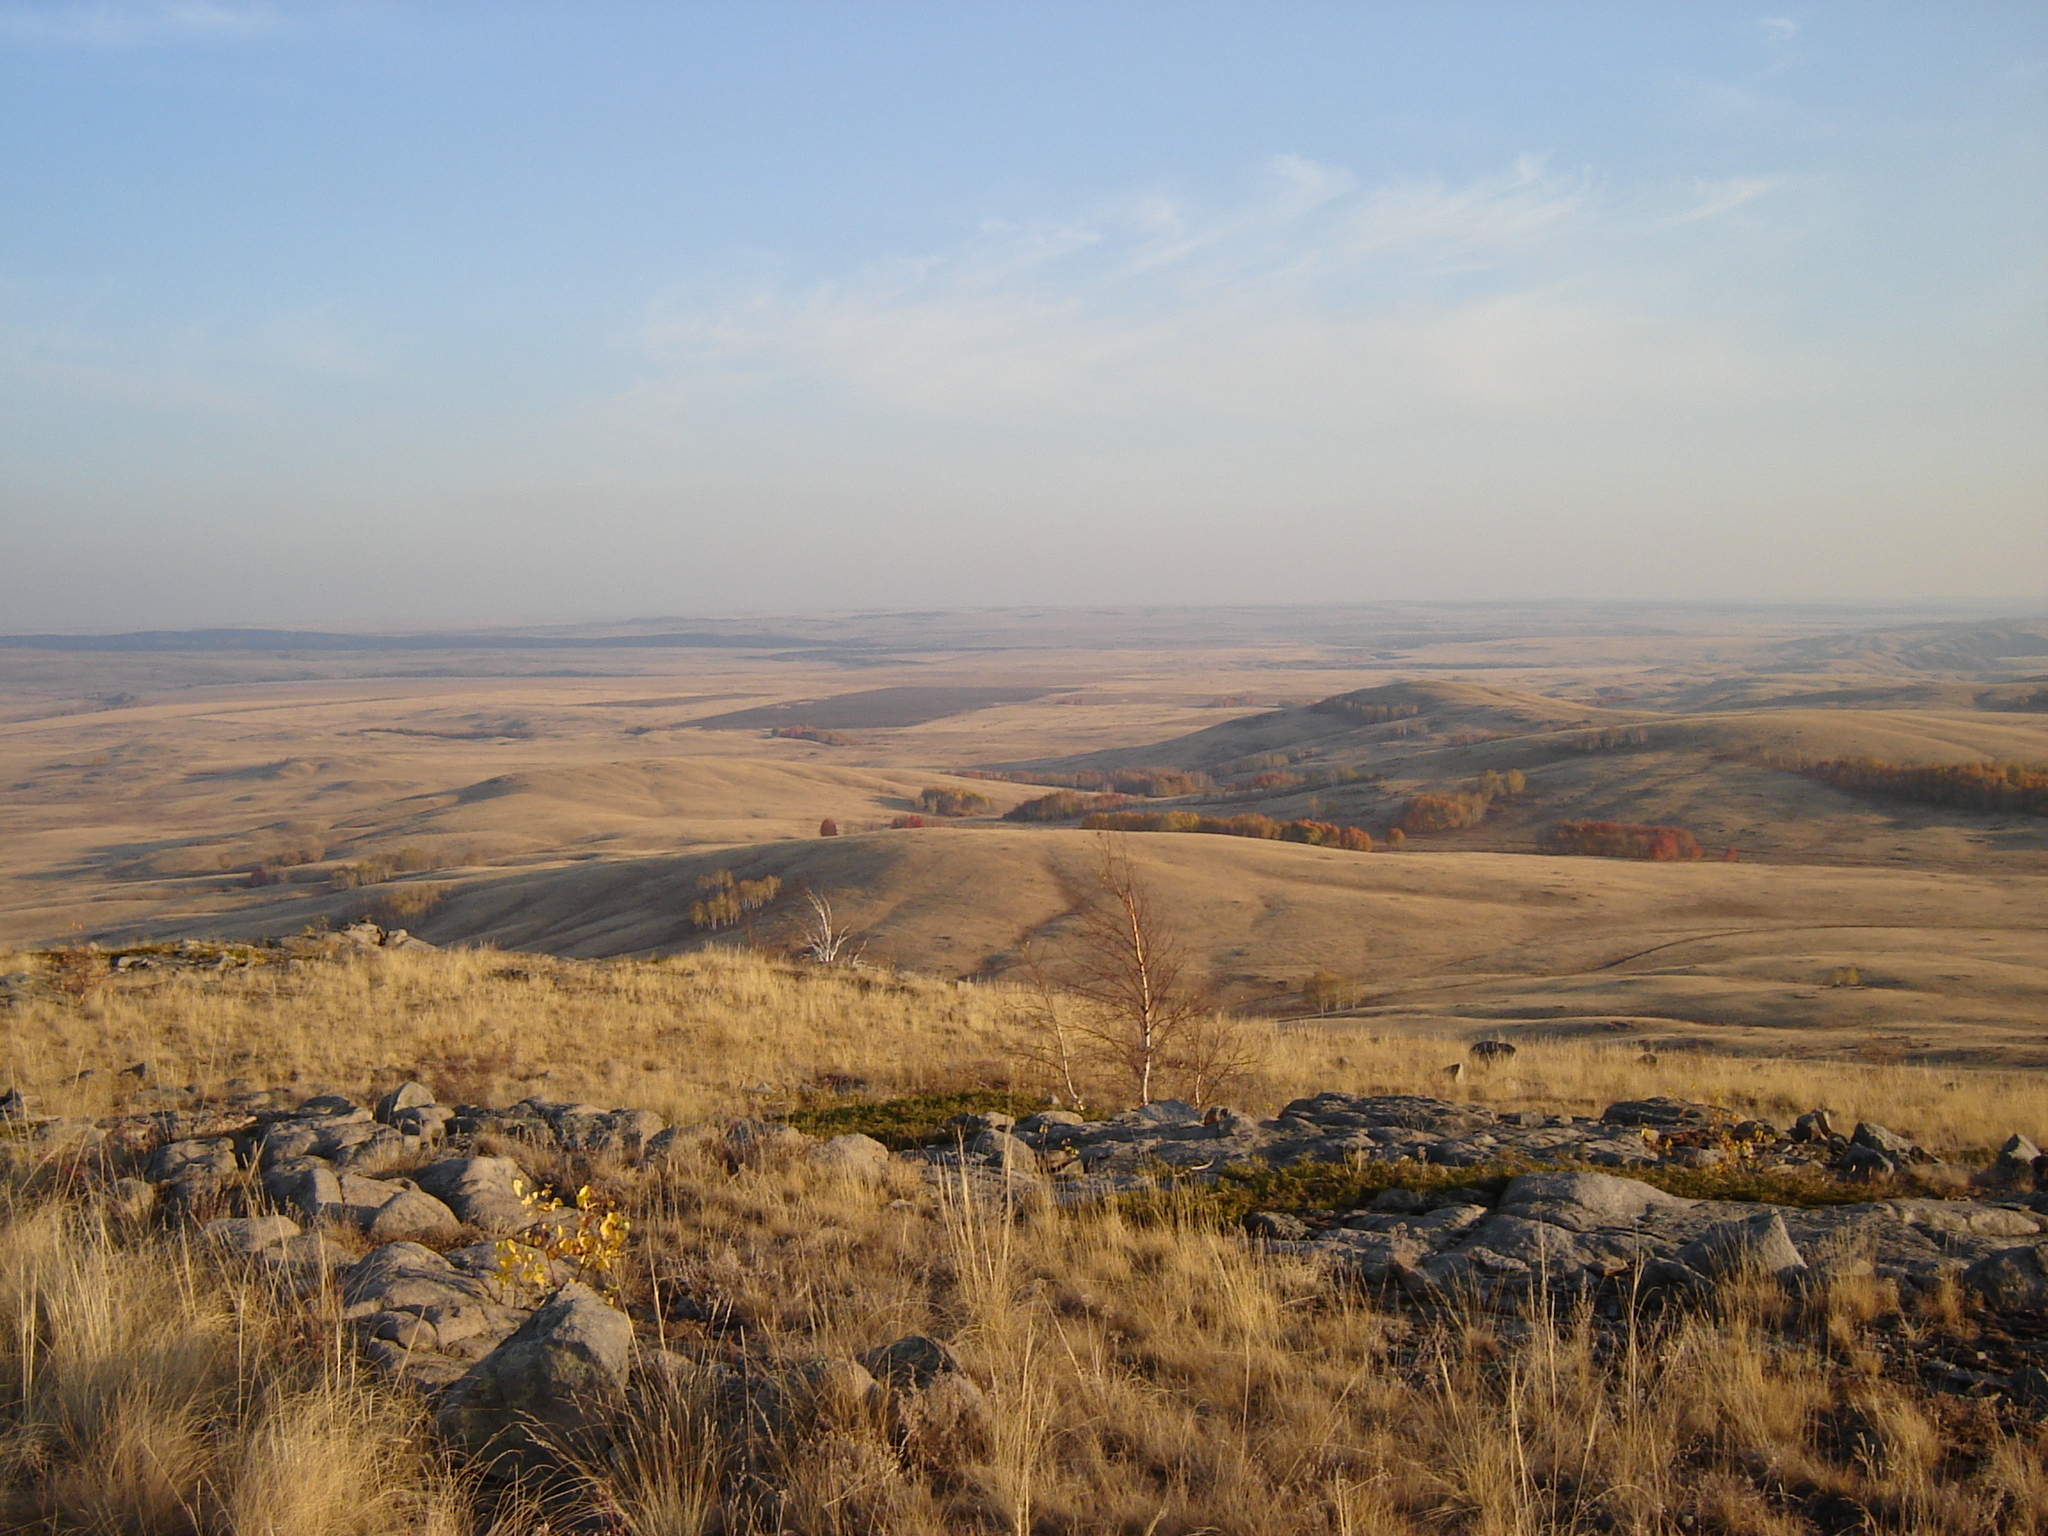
(1315, 298)
(126, 26)
(1717, 198)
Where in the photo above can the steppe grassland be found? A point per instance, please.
(1141, 1377)
(1154, 1376)
(721, 1032)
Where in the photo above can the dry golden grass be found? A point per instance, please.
(721, 1032)
(148, 1390)
(1138, 1377)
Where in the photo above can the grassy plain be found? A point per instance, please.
(1152, 1375)
(548, 812)
(570, 801)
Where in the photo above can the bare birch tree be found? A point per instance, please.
(823, 938)
(1131, 969)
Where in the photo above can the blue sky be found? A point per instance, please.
(382, 314)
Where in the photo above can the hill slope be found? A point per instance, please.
(1738, 956)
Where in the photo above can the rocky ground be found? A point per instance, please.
(421, 1223)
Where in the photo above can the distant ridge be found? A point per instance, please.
(320, 640)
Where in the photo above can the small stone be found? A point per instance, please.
(1276, 1226)
(911, 1361)
(405, 1329)
(249, 1234)
(1864, 1165)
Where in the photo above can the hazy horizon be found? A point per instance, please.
(380, 316)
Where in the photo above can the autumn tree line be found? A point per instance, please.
(1621, 840)
(1144, 783)
(1366, 714)
(2019, 788)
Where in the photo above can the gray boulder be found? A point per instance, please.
(853, 1157)
(479, 1191)
(1880, 1139)
(751, 1141)
(408, 1095)
(1752, 1244)
(2015, 1160)
(549, 1392)
(2013, 1279)
(212, 1155)
(931, 1401)
(1003, 1150)
(1581, 1202)
(412, 1214)
(305, 1185)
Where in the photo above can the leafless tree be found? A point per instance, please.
(1131, 970)
(1052, 1042)
(821, 937)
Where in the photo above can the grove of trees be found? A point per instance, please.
(1621, 840)
(939, 800)
(1064, 805)
(1989, 786)
(727, 902)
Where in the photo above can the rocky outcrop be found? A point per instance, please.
(548, 1393)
